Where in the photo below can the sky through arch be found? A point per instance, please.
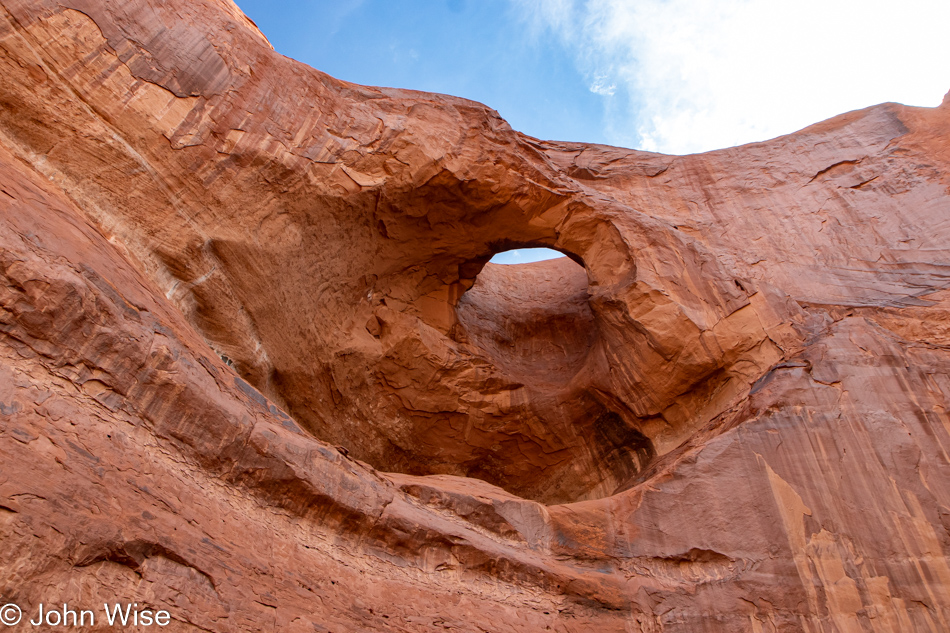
(525, 256)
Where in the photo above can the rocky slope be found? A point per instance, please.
(256, 370)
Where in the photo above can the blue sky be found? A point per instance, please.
(477, 49)
(673, 76)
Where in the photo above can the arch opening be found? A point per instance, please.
(534, 324)
(532, 319)
(525, 256)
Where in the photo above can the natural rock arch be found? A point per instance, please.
(770, 317)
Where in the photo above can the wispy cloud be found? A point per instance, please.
(682, 76)
(602, 87)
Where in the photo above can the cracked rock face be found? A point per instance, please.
(255, 369)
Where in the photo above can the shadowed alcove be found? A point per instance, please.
(533, 318)
(533, 324)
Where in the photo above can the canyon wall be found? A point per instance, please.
(256, 370)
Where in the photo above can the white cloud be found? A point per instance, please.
(682, 76)
(601, 87)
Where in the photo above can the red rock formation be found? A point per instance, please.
(728, 413)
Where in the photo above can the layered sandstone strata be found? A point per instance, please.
(256, 370)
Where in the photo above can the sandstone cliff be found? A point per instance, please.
(255, 369)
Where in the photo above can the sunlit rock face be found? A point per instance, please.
(257, 371)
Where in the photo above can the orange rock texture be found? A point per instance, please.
(255, 369)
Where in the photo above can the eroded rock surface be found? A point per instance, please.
(256, 370)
